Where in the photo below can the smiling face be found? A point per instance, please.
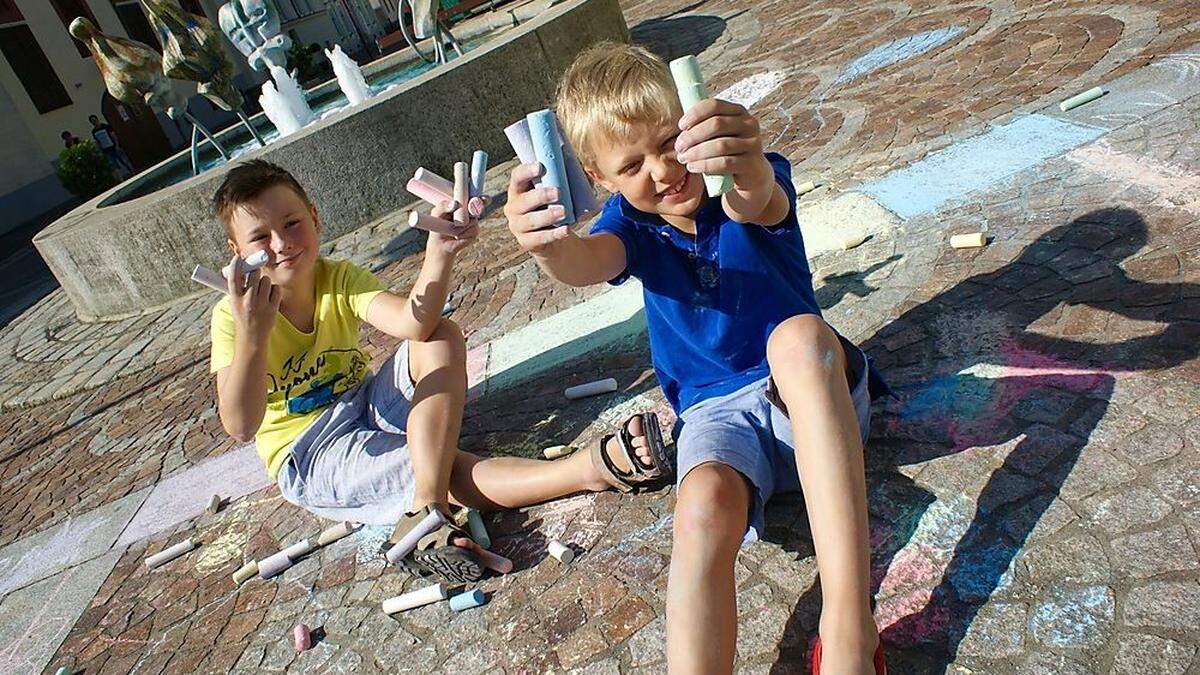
(285, 225)
(642, 167)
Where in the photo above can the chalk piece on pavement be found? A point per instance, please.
(1080, 99)
(274, 564)
(168, 554)
(245, 573)
(214, 504)
(408, 542)
(302, 637)
(413, 599)
(468, 600)
(852, 241)
(335, 532)
(492, 561)
(604, 386)
(561, 552)
(556, 451)
(972, 240)
(300, 549)
(478, 532)
(805, 188)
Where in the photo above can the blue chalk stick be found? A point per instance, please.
(479, 165)
(463, 601)
(547, 145)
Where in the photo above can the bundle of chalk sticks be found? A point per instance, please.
(465, 195)
(539, 138)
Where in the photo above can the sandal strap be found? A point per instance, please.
(611, 473)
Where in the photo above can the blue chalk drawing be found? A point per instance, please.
(1074, 617)
(896, 51)
(977, 163)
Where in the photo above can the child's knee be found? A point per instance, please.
(449, 332)
(804, 343)
(713, 504)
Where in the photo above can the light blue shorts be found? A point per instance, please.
(352, 463)
(745, 430)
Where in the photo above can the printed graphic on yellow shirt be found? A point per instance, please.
(306, 384)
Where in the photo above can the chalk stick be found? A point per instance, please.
(518, 137)
(562, 553)
(245, 572)
(462, 192)
(689, 82)
(583, 196)
(1080, 99)
(207, 277)
(805, 188)
(274, 564)
(447, 309)
(432, 196)
(478, 532)
(556, 451)
(408, 542)
(852, 241)
(468, 600)
(168, 554)
(547, 145)
(476, 206)
(435, 181)
(214, 504)
(63, 670)
(591, 388)
(424, 221)
(972, 240)
(479, 166)
(335, 532)
(490, 560)
(413, 599)
(302, 637)
(300, 549)
(249, 263)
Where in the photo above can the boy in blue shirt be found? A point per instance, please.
(769, 397)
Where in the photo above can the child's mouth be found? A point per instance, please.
(674, 193)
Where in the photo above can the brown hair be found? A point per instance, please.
(611, 88)
(248, 180)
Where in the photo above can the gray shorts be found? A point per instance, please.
(352, 463)
(745, 430)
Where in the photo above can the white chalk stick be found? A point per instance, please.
(274, 564)
(591, 388)
(300, 549)
(413, 599)
(562, 553)
(852, 241)
(556, 451)
(424, 221)
(168, 554)
(1080, 99)
(972, 240)
(245, 573)
(478, 532)
(214, 504)
(462, 192)
(479, 165)
(207, 277)
(805, 187)
(408, 542)
(335, 532)
(435, 181)
(690, 85)
(249, 263)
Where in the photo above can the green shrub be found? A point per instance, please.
(84, 171)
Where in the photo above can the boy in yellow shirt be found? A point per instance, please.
(344, 443)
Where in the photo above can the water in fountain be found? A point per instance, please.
(349, 76)
(291, 93)
(277, 110)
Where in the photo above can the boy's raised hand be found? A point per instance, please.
(447, 243)
(254, 301)
(719, 137)
(533, 226)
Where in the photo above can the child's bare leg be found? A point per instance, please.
(438, 367)
(808, 365)
(509, 482)
(710, 522)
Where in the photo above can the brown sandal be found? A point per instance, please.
(436, 553)
(641, 476)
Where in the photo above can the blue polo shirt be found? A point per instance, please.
(713, 300)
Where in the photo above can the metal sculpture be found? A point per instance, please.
(253, 26)
(425, 23)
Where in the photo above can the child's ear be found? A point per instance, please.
(312, 210)
(232, 246)
(599, 179)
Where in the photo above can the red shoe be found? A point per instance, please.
(880, 664)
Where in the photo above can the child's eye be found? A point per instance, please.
(258, 237)
(630, 168)
(292, 222)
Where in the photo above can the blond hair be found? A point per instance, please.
(610, 89)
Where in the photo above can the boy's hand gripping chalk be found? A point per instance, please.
(548, 147)
(425, 221)
(690, 85)
(216, 281)
(408, 542)
(168, 554)
(413, 599)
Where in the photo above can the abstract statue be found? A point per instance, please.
(133, 74)
(192, 50)
(253, 26)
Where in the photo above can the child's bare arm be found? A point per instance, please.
(566, 257)
(417, 316)
(242, 386)
(719, 137)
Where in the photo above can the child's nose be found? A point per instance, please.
(662, 168)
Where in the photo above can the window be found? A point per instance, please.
(136, 25)
(68, 11)
(33, 69)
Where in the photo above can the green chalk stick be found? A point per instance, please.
(1079, 99)
(690, 85)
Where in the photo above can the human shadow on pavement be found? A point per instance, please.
(970, 373)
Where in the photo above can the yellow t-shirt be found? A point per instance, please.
(306, 372)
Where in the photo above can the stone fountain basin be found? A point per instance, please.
(116, 257)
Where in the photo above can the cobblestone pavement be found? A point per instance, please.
(1034, 489)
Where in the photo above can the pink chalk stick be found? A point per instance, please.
(302, 636)
(425, 221)
(434, 181)
(476, 206)
(462, 192)
(427, 192)
(490, 560)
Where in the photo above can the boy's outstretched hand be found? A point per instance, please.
(451, 244)
(719, 137)
(254, 301)
(533, 226)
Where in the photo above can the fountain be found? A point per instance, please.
(253, 26)
(133, 248)
(349, 76)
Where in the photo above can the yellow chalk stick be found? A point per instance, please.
(972, 240)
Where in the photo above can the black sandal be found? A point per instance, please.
(641, 476)
(436, 553)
